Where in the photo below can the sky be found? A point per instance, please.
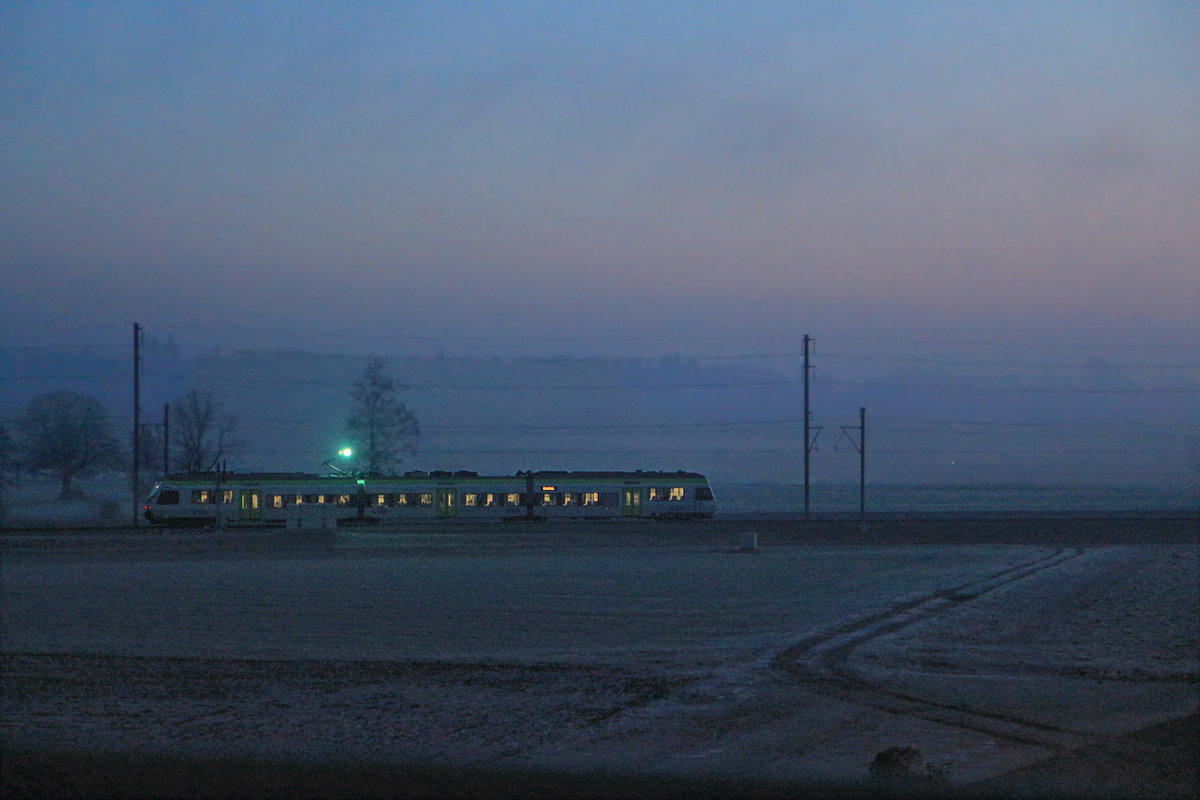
(997, 186)
(522, 172)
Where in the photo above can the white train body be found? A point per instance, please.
(277, 498)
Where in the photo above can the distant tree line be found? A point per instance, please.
(72, 436)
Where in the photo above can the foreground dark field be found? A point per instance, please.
(1022, 656)
(1162, 761)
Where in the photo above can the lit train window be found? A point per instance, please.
(590, 498)
(226, 496)
(471, 499)
(513, 499)
(676, 493)
(569, 499)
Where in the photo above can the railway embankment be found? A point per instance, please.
(1076, 529)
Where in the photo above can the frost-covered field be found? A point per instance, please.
(625, 650)
(35, 500)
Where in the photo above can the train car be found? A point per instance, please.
(286, 498)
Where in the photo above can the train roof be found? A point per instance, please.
(225, 477)
(617, 474)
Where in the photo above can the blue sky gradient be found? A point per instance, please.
(520, 171)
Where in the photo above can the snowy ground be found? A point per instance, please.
(35, 500)
(623, 650)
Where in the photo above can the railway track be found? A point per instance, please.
(821, 663)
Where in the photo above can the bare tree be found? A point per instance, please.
(380, 427)
(201, 432)
(71, 435)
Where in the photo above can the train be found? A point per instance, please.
(311, 500)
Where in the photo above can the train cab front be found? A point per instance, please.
(706, 502)
(149, 503)
(159, 496)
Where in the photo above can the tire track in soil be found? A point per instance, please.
(820, 664)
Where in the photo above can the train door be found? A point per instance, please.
(631, 501)
(249, 504)
(447, 502)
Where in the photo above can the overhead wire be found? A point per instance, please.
(944, 427)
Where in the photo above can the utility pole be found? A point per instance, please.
(166, 438)
(137, 418)
(861, 447)
(807, 421)
(862, 467)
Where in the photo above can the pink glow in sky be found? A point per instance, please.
(602, 169)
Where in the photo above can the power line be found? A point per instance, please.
(1043, 423)
(64, 347)
(1016, 389)
(727, 451)
(435, 338)
(566, 427)
(527, 387)
(995, 363)
(68, 326)
(94, 418)
(948, 426)
(293, 333)
(1040, 343)
(61, 377)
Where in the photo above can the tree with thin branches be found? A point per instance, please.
(380, 427)
(70, 435)
(201, 432)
